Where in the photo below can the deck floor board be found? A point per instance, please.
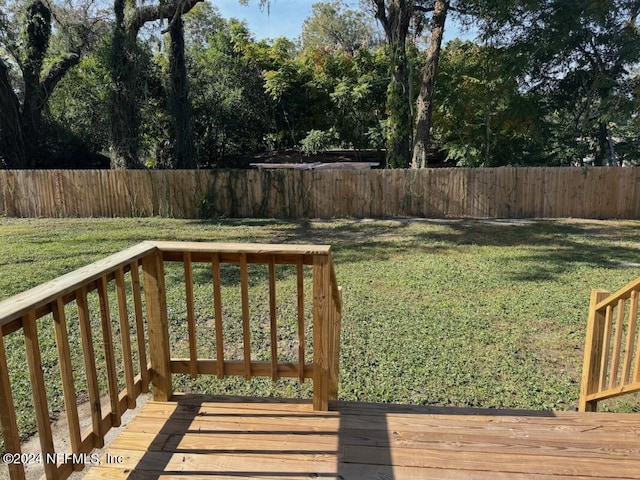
(199, 437)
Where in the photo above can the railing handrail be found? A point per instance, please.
(257, 248)
(18, 305)
(622, 294)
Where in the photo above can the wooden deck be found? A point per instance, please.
(215, 437)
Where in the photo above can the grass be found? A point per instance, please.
(462, 313)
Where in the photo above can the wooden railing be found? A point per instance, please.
(612, 350)
(117, 280)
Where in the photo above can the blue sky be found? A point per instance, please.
(285, 17)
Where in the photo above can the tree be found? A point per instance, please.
(179, 104)
(124, 111)
(480, 117)
(333, 26)
(129, 19)
(30, 68)
(349, 68)
(395, 17)
(587, 48)
(232, 112)
(424, 103)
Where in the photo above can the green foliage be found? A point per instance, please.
(481, 117)
(333, 26)
(231, 110)
(550, 83)
(578, 56)
(353, 87)
(80, 103)
(317, 140)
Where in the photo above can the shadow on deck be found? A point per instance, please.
(194, 436)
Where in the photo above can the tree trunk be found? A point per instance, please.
(613, 162)
(123, 149)
(425, 97)
(398, 106)
(13, 152)
(603, 145)
(395, 17)
(184, 154)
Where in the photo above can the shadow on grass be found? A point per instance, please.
(556, 246)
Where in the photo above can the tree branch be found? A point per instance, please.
(151, 13)
(381, 14)
(57, 71)
(8, 98)
(420, 8)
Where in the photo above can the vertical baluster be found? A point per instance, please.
(125, 337)
(191, 316)
(10, 431)
(605, 347)
(217, 311)
(335, 354)
(66, 372)
(137, 304)
(631, 332)
(634, 307)
(272, 317)
(246, 327)
(40, 404)
(90, 367)
(301, 335)
(109, 355)
(617, 344)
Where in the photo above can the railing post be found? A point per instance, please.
(158, 324)
(592, 353)
(321, 332)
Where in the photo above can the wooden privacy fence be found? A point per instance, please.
(612, 350)
(506, 192)
(132, 282)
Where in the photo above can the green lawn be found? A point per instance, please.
(464, 313)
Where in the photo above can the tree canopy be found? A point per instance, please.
(173, 84)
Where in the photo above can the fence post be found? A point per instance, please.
(321, 332)
(154, 293)
(592, 353)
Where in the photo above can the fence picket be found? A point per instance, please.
(301, 335)
(606, 347)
